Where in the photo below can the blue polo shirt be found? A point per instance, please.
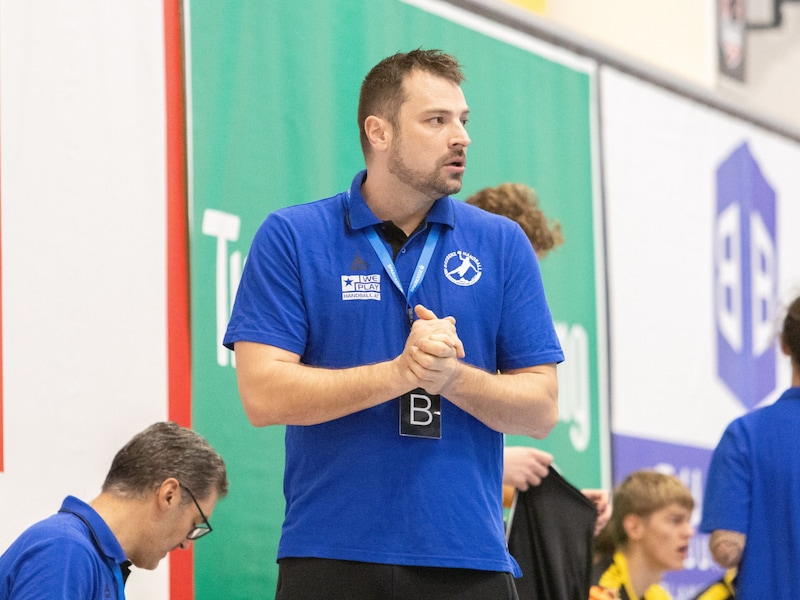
(753, 488)
(355, 488)
(72, 554)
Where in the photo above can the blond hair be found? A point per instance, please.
(641, 493)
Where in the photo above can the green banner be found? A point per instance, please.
(273, 89)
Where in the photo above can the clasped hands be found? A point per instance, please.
(430, 357)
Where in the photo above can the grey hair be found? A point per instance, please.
(165, 450)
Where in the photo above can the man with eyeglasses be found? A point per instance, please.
(161, 488)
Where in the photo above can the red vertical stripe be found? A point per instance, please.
(178, 326)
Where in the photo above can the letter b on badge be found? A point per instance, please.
(420, 414)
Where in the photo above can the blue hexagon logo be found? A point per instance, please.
(745, 278)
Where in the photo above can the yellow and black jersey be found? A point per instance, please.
(612, 581)
(722, 589)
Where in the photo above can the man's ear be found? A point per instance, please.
(633, 526)
(168, 494)
(379, 132)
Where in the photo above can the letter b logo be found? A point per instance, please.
(745, 278)
(421, 414)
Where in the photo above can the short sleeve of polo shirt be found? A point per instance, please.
(726, 504)
(269, 306)
(526, 314)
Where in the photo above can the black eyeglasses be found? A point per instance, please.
(204, 528)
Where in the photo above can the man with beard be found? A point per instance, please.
(398, 333)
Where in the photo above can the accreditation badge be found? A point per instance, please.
(421, 414)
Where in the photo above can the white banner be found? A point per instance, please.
(662, 154)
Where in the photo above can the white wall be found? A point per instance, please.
(680, 39)
(82, 114)
(676, 37)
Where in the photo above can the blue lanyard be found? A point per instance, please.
(419, 270)
(120, 583)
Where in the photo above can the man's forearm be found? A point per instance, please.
(276, 389)
(523, 402)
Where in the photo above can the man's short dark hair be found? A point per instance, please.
(791, 331)
(382, 91)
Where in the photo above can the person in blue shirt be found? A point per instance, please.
(398, 333)
(158, 496)
(750, 505)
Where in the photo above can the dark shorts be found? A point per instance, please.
(324, 579)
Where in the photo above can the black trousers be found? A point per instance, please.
(325, 579)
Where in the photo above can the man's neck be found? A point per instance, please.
(122, 516)
(641, 574)
(398, 203)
